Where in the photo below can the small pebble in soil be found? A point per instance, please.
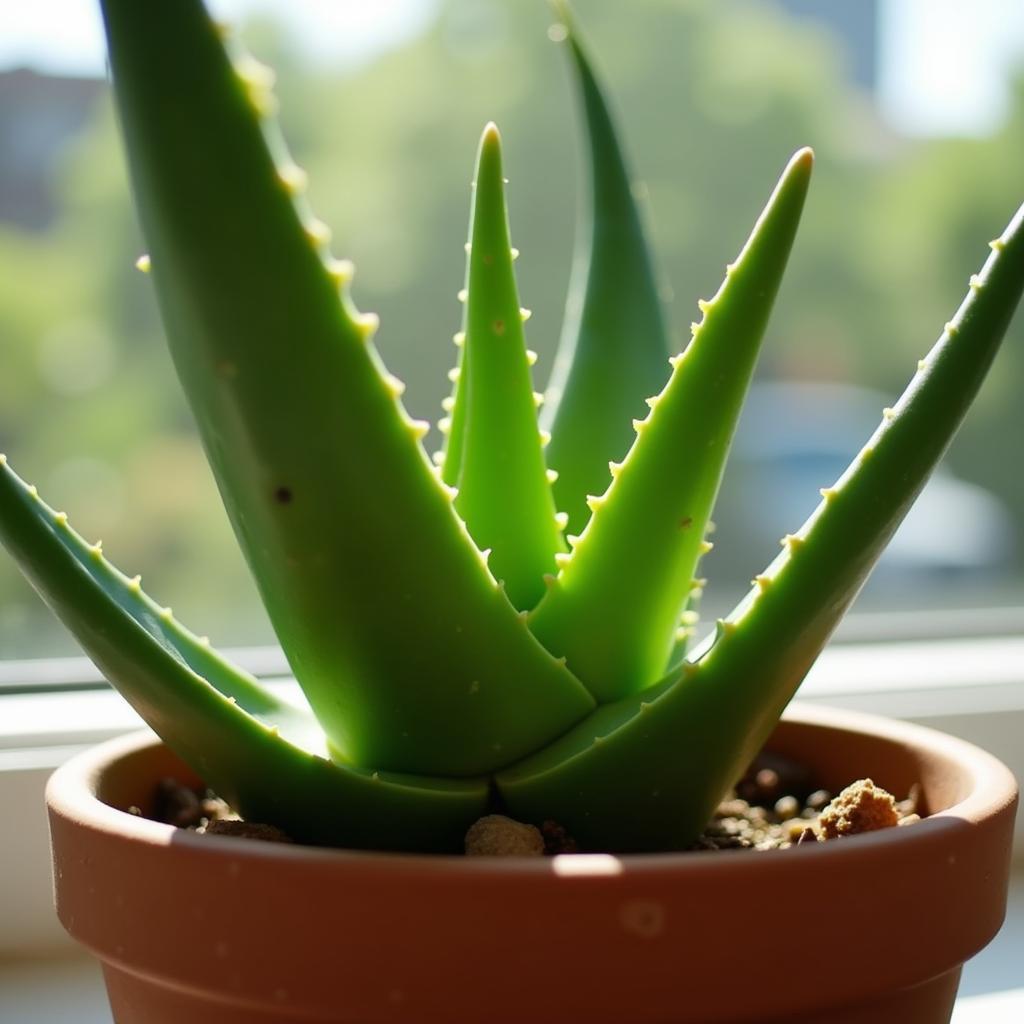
(177, 804)
(557, 839)
(244, 830)
(772, 776)
(861, 807)
(787, 807)
(818, 800)
(498, 836)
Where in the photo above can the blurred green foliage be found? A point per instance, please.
(713, 99)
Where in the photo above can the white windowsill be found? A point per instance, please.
(923, 679)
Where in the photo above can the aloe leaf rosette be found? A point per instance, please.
(497, 630)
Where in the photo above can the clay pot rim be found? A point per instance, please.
(989, 785)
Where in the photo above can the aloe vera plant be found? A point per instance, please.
(501, 629)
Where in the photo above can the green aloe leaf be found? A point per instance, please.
(615, 607)
(411, 656)
(503, 491)
(267, 758)
(614, 343)
(646, 772)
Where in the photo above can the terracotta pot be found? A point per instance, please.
(873, 928)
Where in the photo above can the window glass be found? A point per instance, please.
(713, 99)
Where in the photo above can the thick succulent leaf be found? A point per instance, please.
(267, 758)
(503, 491)
(615, 607)
(411, 656)
(614, 342)
(645, 773)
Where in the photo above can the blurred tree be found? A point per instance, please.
(713, 99)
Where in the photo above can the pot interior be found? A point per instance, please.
(835, 758)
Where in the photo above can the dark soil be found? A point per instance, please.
(775, 805)
(759, 823)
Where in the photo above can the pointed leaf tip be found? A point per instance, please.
(614, 337)
(632, 577)
(505, 498)
(489, 161)
(803, 158)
